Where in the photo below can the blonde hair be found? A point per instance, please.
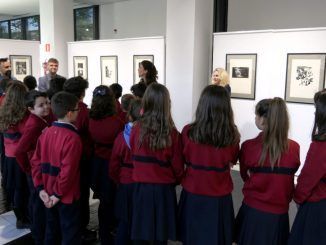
(224, 76)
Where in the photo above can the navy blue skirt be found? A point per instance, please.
(123, 202)
(205, 220)
(103, 187)
(257, 227)
(309, 227)
(154, 212)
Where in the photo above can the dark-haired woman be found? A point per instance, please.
(147, 72)
(104, 126)
(267, 166)
(210, 147)
(310, 193)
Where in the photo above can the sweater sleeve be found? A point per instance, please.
(69, 170)
(116, 159)
(243, 167)
(312, 172)
(177, 159)
(36, 167)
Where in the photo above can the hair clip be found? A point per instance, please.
(100, 91)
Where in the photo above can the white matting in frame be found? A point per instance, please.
(109, 70)
(305, 75)
(242, 72)
(80, 66)
(137, 60)
(21, 66)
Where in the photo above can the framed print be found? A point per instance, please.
(137, 60)
(242, 72)
(305, 75)
(109, 70)
(21, 66)
(80, 66)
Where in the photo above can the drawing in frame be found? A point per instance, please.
(21, 66)
(305, 75)
(137, 60)
(109, 70)
(242, 72)
(80, 66)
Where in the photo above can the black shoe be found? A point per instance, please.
(89, 236)
(20, 224)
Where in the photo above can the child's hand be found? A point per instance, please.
(54, 200)
(44, 196)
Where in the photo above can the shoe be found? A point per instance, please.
(89, 236)
(20, 224)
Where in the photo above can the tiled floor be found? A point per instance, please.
(7, 221)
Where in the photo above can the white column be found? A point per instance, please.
(189, 32)
(57, 28)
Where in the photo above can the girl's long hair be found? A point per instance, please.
(319, 130)
(276, 128)
(13, 108)
(156, 123)
(103, 103)
(214, 123)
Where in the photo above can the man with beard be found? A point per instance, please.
(5, 69)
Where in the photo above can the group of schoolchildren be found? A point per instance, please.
(134, 160)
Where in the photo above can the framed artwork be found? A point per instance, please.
(21, 66)
(242, 72)
(305, 75)
(80, 66)
(109, 70)
(137, 60)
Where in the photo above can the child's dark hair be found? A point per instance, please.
(103, 103)
(76, 86)
(276, 127)
(319, 130)
(55, 86)
(151, 75)
(156, 123)
(134, 109)
(31, 97)
(30, 82)
(138, 89)
(125, 101)
(62, 103)
(214, 123)
(116, 89)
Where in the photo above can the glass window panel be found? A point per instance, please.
(33, 28)
(84, 24)
(16, 29)
(4, 29)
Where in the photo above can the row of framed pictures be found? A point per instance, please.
(305, 75)
(109, 67)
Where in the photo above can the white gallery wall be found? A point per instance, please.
(137, 18)
(125, 49)
(271, 47)
(276, 14)
(20, 47)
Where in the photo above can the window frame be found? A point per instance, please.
(96, 28)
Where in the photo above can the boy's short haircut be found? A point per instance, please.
(30, 82)
(62, 103)
(31, 97)
(76, 86)
(53, 60)
(116, 89)
(125, 101)
(138, 89)
(134, 109)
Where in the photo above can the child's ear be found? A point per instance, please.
(30, 109)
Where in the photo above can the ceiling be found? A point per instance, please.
(18, 8)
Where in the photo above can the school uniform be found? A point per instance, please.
(156, 172)
(263, 217)
(310, 194)
(206, 213)
(55, 168)
(103, 133)
(121, 172)
(14, 177)
(82, 122)
(24, 152)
